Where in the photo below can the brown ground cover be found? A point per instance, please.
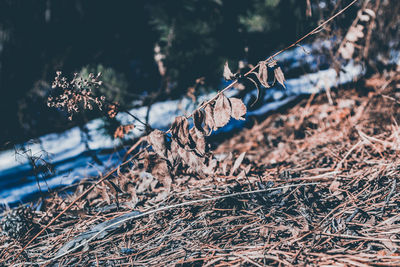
(325, 191)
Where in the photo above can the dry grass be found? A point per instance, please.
(348, 216)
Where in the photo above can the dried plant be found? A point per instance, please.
(75, 95)
(181, 144)
(358, 35)
(122, 130)
(42, 168)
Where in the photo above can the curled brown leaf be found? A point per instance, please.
(238, 108)
(157, 141)
(180, 130)
(198, 120)
(222, 111)
(263, 74)
(209, 119)
(228, 75)
(199, 140)
(279, 76)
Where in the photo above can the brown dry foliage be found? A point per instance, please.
(349, 216)
(189, 146)
(122, 130)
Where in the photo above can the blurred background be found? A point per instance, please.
(119, 38)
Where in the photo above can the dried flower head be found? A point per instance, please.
(75, 95)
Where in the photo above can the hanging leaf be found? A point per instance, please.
(222, 111)
(180, 130)
(228, 75)
(209, 119)
(279, 76)
(199, 140)
(173, 155)
(263, 74)
(157, 141)
(198, 120)
(238, 108)
(190, 159)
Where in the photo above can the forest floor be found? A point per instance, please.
(327, 182)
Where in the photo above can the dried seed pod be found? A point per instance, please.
(263, 74)
(157, 140)
(279, 76)
(222, 111)
(238, 108)
(228, 75)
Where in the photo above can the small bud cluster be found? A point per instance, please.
(76, 95)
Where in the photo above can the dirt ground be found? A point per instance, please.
(325, 191)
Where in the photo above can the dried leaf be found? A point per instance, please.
(222, 111)
(191, 159)
(263, 74)
(173, 155)
(237, 163)
(238, 108)
(209, 119)
(279, 76)
(334, 186)
(228, 75)
(180, 130)
(226, 161)
(198, 119)
(157, 140)
(104, 193)
(122, 130)
(199, 140)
